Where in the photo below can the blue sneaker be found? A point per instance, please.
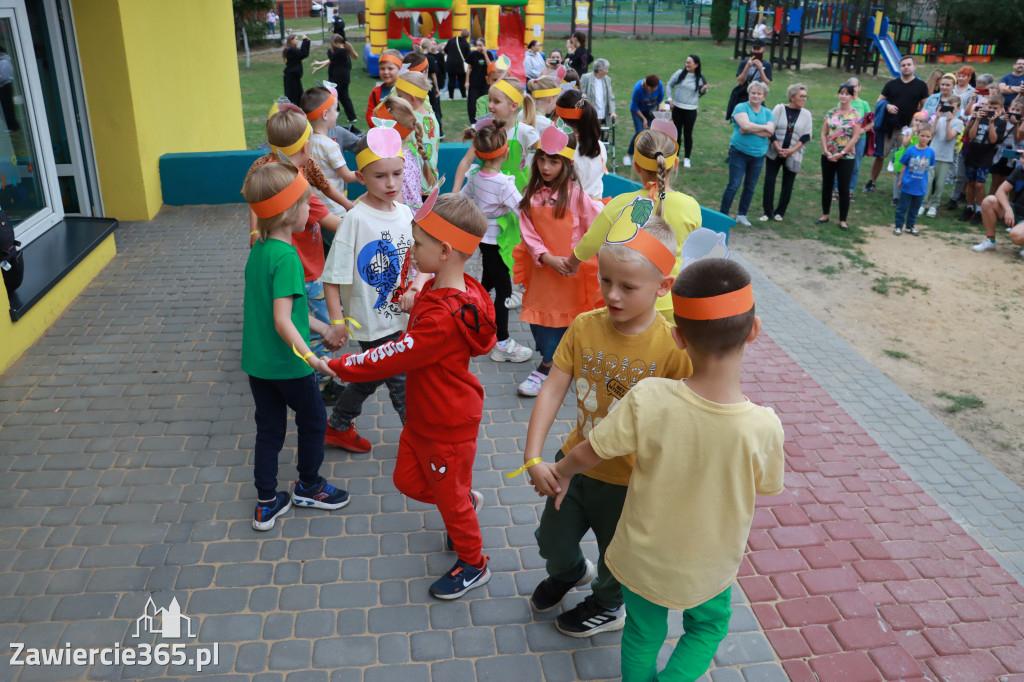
(321, 495)
(266, 514)
(461, 579)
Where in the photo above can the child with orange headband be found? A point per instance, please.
(275, 354)
(495, 194)
(703, 452)
(591, 155)
(321, 107)
(389, 65)
(414, 88)
(603, 354)
(451, 320)
(553, 216)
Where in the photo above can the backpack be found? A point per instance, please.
(12, 263)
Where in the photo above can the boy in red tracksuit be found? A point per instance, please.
(451, 320)
(390, 64)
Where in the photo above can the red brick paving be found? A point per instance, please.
(854, 572)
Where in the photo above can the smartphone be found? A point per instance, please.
(945, 108)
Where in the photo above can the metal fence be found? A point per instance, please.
(689, 18)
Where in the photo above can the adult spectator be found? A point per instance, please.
(552, 63)
(685, 87)
(966, 80)
(945, 90)
(293, 55)
(863, 108)
(456, 52)
(752, 126)
(1012, 84)
(435, 74)
(339, 71)
(964, 88)
(903, 97)
(272, 22)
(839, 134)
(338, 25)
(793, 126)
(647, 95)
(597, 88)
(932, 83)
(577, 55)
(999, 207)
(752, 69)
(533, 63)
(477, 62)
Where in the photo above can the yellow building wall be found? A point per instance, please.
(19, 336)
(161, 76)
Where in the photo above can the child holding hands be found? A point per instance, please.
(275, 354)
(603, 354)
(703, 451)
(452, 319)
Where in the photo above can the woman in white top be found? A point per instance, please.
(685, 87)
(533, 63)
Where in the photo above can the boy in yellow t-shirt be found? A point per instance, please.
(604, 353)
(703, 452)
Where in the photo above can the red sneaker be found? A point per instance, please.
(348, 439)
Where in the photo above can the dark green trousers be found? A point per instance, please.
(589, 504)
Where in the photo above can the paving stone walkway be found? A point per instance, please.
(125, 440)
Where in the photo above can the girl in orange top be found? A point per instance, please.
(554, 215)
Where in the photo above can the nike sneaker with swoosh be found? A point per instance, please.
(459, 580)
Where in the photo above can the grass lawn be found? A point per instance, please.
(633, 59)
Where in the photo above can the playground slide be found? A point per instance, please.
(890, 53)
(510, 42)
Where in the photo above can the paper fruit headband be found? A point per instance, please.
(555, 141)
(381, 113)
(705, 243)
(647, 163)
(647, 244)
(283, 200)
(572, 113)
(502, 63)
(294, 147)
(442, 230)
(407, 87)
(383, 142)
(481, 123)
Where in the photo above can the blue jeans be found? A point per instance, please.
(907, 208)
(638, 126)
(547, 339)
(318, 309)
(273, 398)
(745, 169)
(861, 145)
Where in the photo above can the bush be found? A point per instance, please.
(721, 17)
(972, 21)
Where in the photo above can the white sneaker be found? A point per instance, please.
(1021, 253)
(626, 161)
(686, 163)
(764, 219)
(931, 212)
(532, 384)
(778, 218)
(920, 211)
(512, 352)
(984, 246)
(742, 220)
(515, 301)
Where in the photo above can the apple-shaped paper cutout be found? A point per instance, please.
(665, 127)
(703, 243)
(277, 107)
(483, 122)
(553, 140)
(502, 63)
(384, 142)
(560, 73)
(428, 205)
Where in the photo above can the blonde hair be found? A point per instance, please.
(657, 228)
(285, 128)
(460, 211)
(528, 108)
(419, 80)
(542, 83)
(402, 112)
(657, 146)
(263, 183)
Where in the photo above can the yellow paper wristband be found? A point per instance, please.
(535, 460)
(300, 355)
(254, 232)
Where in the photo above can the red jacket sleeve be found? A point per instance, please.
(372, 104)
(418, 347)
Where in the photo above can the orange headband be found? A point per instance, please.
(714, 307)
(283, 200)
(382, 112)
(568, 114)
(645, 243)
(323, 108)
(443, 231)
(421, 67)
(500, 151)
(391, 58)
(492, 66)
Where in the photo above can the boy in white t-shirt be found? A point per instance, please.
(368, 268)
(321, 107)
(703, 453)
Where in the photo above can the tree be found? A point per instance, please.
(252, 14)
(721, 17)
(973, 22)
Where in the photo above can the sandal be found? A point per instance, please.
(844, 227)
(819, 221)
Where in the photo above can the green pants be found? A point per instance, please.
(589, 504)
(705, 626)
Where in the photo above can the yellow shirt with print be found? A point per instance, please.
(604, 364)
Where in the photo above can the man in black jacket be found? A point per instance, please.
(456, 52)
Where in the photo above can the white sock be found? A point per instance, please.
(503, 344)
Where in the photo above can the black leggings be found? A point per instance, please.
(474, 95)
(345, 100)
(771, 171)
(435, 105)
(684, 120)
(293, 87)
(829, 169)
(456, 80)
(496, 276)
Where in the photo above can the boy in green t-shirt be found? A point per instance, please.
(703, 454)
(603, 353)
(275, 350)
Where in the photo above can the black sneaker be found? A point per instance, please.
(913, 231)
(321, 495)
(459, 580)
(477, 498)
(894, 203)
(952, 205)
(331, 392)
(590, 618)
(869, 188)
(550, 592)
(266, 514)
(966, 215)
(976, 218)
